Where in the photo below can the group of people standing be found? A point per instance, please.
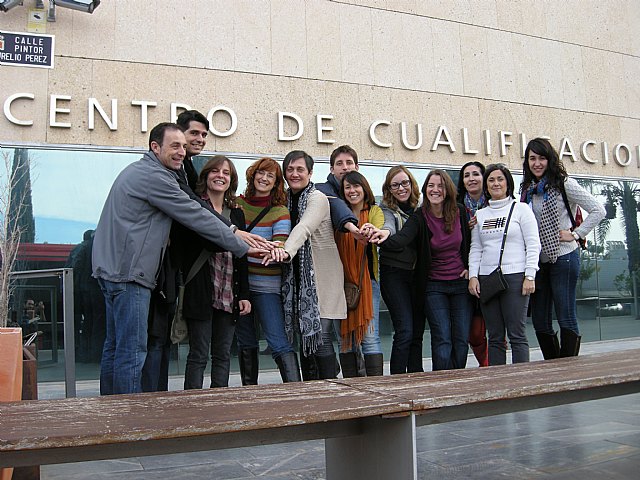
(282, 258)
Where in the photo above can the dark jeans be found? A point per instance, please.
(155, 373)
(246, 332)
(449, 308)
(397, 291)
(556, 286)
(125, 345)
(204, 336)
(507, 311)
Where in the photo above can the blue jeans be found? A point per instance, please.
(125, 345)
(267, 309)
(449, 308)
(556, 286)
(397, 291)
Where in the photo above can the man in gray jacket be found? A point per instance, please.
(129, 244)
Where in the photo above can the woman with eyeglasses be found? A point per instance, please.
(400, 195)
(471, 195)
(264, 204)
(554, 198)
(506, 310)
(439, 233)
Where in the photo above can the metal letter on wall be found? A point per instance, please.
(54, 109)
(174, 110)
(94, 105)
(232, 116)
(583, 151)
(372, 133)
(465, 143)
(144, 114)
(616, 154)
(405, 141)
(321, 128)
(282, 137)
(504, 143)
(566, 149)
(443, 132)
(7, 108)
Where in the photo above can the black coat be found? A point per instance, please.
(198, 292)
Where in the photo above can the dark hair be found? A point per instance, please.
(555, 173)
(216, 162)
(450, 207)
(507, 174)
(295, 155)
(343, 149)
(356, 178)
(387, 197)
(278, 196)
(188, 116)
(157, 132)
(462, 190)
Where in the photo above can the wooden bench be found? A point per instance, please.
(369, 424)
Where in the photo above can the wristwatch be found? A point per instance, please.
(234, 228)
(530, 278)
(575, 236)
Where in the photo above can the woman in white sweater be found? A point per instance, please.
(508, 309)
(554, 199)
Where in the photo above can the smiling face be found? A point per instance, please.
(497, 185)
(537, 164)
(196, 136)
(472, 179)
(173, 149)
(436, 193)
(343, 164)
(263, 182)
(353, 194)
(400, 187)
(219, 178)
(297, 175)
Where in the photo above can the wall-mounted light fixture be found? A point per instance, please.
(82, 5)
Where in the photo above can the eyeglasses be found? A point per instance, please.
(396, 186)
(266, 174)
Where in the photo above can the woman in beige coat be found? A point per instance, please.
(313, 280)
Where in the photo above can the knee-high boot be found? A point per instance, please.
(569, 343)
(249, 366)
(549, 345)
(374, 364)
(289, 367)
(309, 367)
(326, 366)
(349, 365)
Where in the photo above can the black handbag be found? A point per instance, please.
(494, 283)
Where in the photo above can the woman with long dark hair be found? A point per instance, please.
(440, 235)
(555, 198)
(212, 308)
(360, 263)
(505, 226)
(264, 205)
(471, 195)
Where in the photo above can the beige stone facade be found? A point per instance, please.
(500, 69)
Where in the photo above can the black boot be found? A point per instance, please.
(569, 343)
(248, 360)
(309, 367)
(549, 345)
(373, 362)
(289, 368)
(326, 366)
(349, 365)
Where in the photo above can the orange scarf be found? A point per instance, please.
(351, 251)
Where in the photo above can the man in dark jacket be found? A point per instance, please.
(129, 245)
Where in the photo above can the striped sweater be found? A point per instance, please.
(275, 225)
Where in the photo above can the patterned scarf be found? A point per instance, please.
(301, 298)
(548, 220)
(474, 205)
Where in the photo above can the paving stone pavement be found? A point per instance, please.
(589, 440)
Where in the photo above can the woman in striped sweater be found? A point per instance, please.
(266, 215)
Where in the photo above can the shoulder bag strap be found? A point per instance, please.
(504, 235)
(563, 192)
(260, 216)
(195, 268)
